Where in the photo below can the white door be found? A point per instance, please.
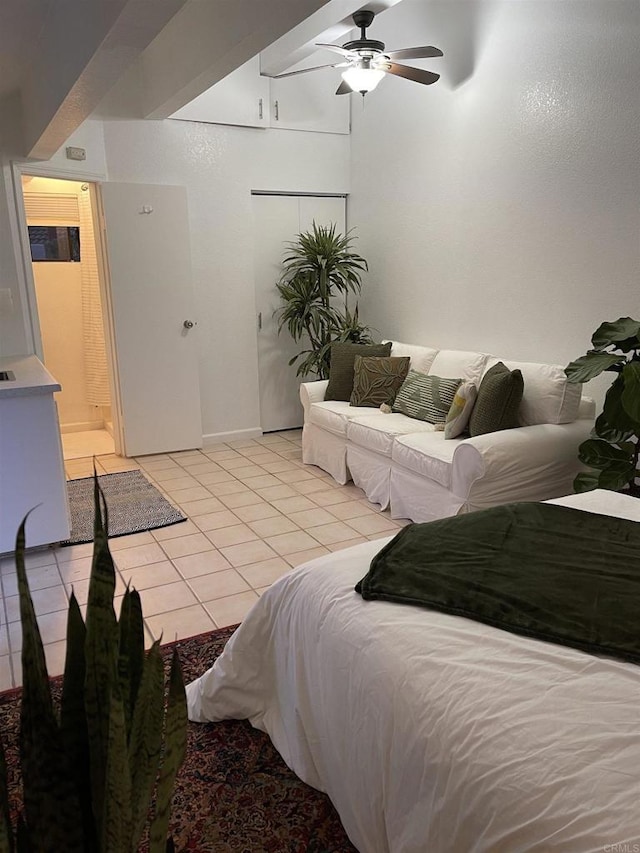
(151, 301)
(278, 220)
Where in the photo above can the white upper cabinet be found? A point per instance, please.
(304, 102)
(309, 102)
(242, 97)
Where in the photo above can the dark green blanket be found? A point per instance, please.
(550, 572)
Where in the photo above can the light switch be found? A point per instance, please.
(76, 153)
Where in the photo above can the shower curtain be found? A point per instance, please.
(95, 358)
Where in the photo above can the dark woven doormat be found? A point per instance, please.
(133, 504)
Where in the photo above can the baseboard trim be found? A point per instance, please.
(237, 435)
(82, 426)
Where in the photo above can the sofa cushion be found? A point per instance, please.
(452, 363)
(378, 434)
(426, 397)
(548, 398)
(458, 416)
(426, 453)
(499, 397)
(421, 357)
(334, 415)
(341, 370)
(377, 380)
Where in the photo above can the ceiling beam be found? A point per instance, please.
(84, 49)
(329, 24)
(206, 41)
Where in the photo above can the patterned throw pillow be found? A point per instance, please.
(377, 380)
(426, 397)
(343, 356)
(460, 411)
(499, 397)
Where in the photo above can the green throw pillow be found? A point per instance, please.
(426, 397)
(343, 357)
(499, 397)
(377, 380)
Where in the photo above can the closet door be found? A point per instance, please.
(278, 219)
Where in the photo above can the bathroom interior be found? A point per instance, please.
(64, 257)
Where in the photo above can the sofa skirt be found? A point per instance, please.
(327, 451)
(415, 497)
(370, 471)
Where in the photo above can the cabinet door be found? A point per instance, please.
(309, 102)
(242, 98)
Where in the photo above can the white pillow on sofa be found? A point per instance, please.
(458, 364)
(548, 398)
(421, 357)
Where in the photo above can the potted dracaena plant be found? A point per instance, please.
(320, 269)
(99, 775)
(613, 449)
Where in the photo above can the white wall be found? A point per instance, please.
(219, 166)
(502, 212)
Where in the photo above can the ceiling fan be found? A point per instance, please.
(366, 61)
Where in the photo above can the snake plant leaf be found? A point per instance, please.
(50, 799)
(116, 819)
(621, 334)
(131, 652)
(6, 832)
(101, 656)
(586, 481)
(175, 738)
(592, 364)
(630, 397)
(597, 453)
(73, 721)
(146, 740)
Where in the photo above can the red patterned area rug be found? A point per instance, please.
(234, 793)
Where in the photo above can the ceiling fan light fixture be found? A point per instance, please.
(362, 79)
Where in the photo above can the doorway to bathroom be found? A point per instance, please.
(64, 260)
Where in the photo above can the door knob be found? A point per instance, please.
(188, 324)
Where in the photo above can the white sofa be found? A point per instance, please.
(409, 466)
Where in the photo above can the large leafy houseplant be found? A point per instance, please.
(91, 774)
(320, 270)
(612, 451)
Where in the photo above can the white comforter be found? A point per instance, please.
(429, 732)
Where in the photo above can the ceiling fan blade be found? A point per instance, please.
(409, 73)
(344, 88)
(414, 53)
(341, 50)
(313, 68)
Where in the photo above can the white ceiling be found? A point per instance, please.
(63, 56)
(22, 25)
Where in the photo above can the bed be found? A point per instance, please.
(429, 732)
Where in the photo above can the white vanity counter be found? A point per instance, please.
(30, 377)
(31, 463)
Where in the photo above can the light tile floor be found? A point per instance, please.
(254, 512)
